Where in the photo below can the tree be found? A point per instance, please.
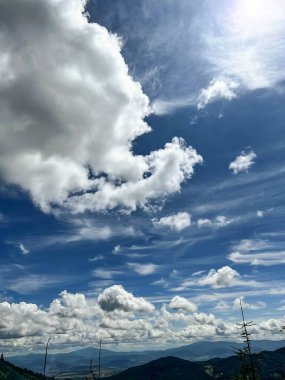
(248, 368)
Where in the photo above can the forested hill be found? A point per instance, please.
(269, 365)
(9, 371)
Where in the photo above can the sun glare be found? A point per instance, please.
(254, 17)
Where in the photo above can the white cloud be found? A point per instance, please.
(260, 213)
(250, 306)
(182, 303)
(31, 283)
(242, 162)
(117, 298)
(70, 113)
(143, 269)
(263, 258)
(23, 249)
(258, 252)
(116, 315)
(223, 306)
(177, 222)
(218, 222)
(221, 278)
(105, 273)
(96, 258)
(165, 107)
(204, 222)
(117, 249)
(217, 89)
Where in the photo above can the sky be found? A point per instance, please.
(142, 172)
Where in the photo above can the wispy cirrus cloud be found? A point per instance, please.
(258, 252)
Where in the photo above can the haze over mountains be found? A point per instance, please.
(79, 360)
(270, 365)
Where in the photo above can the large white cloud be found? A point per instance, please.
(77, 320)
(70, 112)
(117, 298)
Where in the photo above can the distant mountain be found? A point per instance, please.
(269, 365)
(169, 368)
(79, 360)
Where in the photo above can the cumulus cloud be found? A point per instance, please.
(221, 278)
(117, 298)
(143, 269)
(217, 89)
(177, 222)
(70, 112)
(75, 319)
(243, 162)
(182, 303)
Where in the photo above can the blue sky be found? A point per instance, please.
(142, 171)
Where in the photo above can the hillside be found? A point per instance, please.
(270, 365)
(169, 368)
(9, 371)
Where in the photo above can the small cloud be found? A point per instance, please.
(105, 273)
(260, 213)
(218, 222)
(198, 273)
(177, 222)
(23, 249)
(164, 107)
(242, 162)
(143, 269)
(181, 303)
(222, 221)
(117, 249)
(96, 258)
(204, 222)
(162, 282)
(217, 89)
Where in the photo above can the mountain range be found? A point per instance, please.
(270, 365)
(79, 360)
